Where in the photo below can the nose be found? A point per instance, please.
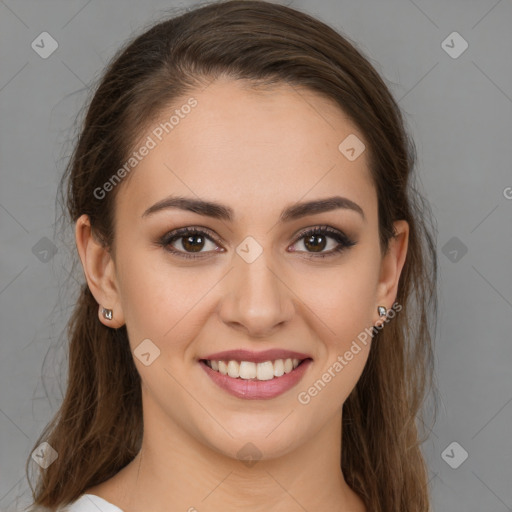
(257, 299)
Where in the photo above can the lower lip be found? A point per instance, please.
(257, 389)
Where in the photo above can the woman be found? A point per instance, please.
(253, 332)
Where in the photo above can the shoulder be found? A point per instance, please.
(90, 503)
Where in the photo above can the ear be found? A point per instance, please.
(99, 271)
(391, 266)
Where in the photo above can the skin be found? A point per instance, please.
(257, 152)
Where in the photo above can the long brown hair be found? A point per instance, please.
(98, 428)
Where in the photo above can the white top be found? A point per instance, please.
(90, 503)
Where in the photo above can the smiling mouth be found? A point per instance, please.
(248, 370)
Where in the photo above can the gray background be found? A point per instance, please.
(459, 111)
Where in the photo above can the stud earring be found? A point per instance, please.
(382, 311)
(107, 313)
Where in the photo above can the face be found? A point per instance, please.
(191, 284)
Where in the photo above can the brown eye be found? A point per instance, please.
(316, 240)
(193, 243)
(315, 243)
(193, 240)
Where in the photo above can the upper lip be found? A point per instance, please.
(256, 357)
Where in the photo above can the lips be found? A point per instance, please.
(255, 388)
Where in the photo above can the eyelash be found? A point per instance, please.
(343, 240)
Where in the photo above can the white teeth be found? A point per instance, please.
(250, 370)
(247, 370)
(278, 368)
(265, 370)
(233, 369)
(223, 368)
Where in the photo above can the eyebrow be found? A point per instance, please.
(222, 212)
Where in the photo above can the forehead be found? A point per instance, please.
(249, 147)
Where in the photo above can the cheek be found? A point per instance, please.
(341, 298)
(343, 323)
(160, 300)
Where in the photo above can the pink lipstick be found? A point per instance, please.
(256, 375)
